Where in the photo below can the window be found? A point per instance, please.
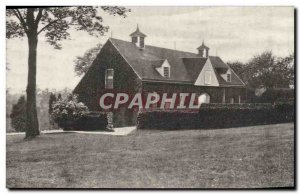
(207, 77)
(231, 100)
(228, 77)
(134, 39)
(166, 72)
(204, 53)
(142, 43)
(109, 79)
(240, 100)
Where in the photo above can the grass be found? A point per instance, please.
(247, 157)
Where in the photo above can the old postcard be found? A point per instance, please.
(150, 97)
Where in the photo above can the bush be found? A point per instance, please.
(66, 112)
(18, 115)
(68, 109)
(217, 116)
(272, 95)
(236, 105)
(285, 111)
(277, 95)
(70, 114)
(89, 122)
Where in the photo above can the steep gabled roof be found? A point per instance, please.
(185, 66)
(142, 61)
(222, 67)
(217, 62)
(157, 63)
(194, 66)
(235, 80)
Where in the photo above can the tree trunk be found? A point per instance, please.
(32, 123)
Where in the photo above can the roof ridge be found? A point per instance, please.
(159, 47)
(199, 57)
(157, 60)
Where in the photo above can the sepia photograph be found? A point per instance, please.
(150, 97)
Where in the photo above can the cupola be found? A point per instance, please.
(138, 38)
(203, 50)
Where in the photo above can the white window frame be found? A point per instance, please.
(168, 71)
(228, 74)
(206, 74)
(110, 77)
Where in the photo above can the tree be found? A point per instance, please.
(82, 64)
(18, 115)
(52, 99)
(59, 97)
(237, 66)
(284, 71)
(266, 70)
(53, 23)
(260, 70)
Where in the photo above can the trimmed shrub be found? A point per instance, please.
(236, 105)
(217, 116)
(70, 114)
(68, 109)
(285, 111)
(91, 121)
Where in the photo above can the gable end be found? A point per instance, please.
(207, 76)
(125, 59)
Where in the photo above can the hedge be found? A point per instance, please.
(217, 116)
(89, 122)
(236, 105)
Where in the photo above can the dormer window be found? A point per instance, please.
(109, 79)
(166, 71)
(225, 74)
(163, 67)
(228, 77)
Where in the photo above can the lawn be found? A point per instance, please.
(246, 157)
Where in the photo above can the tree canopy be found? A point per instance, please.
(83, 63)
(266, 70)
(53, 23)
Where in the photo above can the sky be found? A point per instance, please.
(233, 33)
